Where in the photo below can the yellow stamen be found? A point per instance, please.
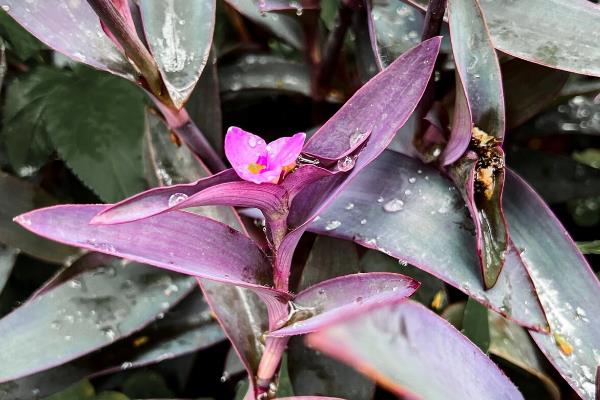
(255, 168)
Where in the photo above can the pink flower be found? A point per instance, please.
(256, 161)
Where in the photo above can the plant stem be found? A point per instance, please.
(132, 45)
(433, 19)
(269, 364)
(333, 46)
(180, 122)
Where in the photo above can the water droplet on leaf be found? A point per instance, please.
(177, 198)
(393, 205)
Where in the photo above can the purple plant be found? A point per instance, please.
(434, 193)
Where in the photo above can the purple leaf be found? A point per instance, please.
(374, 114)
(478, 82)
(71, 28)
(403, 207)
(339, 298)
(311, 372)
(414, 353)
(179, 34)
(84, 314)
(480, 183)
(523, 29)
(179, 241)
(243, 326)
(159, 200)
(568, 289)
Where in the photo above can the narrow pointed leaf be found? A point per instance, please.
(185, 328)
(339, 298)
(414, 353)
(311, 371)
(71, 28)
(17, 197)
(179, 34)
(557, 34)
(568, 289)
(177, 241)
(373, 115)
(401, 211)
(478, 78)
(84, 314)
(245, 325)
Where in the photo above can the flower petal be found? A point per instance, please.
(284, 151)
(243, 149)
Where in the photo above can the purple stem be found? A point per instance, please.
(434, 18)
(132, 45)
(269, 364)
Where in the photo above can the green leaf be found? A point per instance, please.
(475, 324)
(24, 131)
(146, 385)
(592, 247)
(21, 42)
(79, 391)
(95, 121)
(110, 395)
